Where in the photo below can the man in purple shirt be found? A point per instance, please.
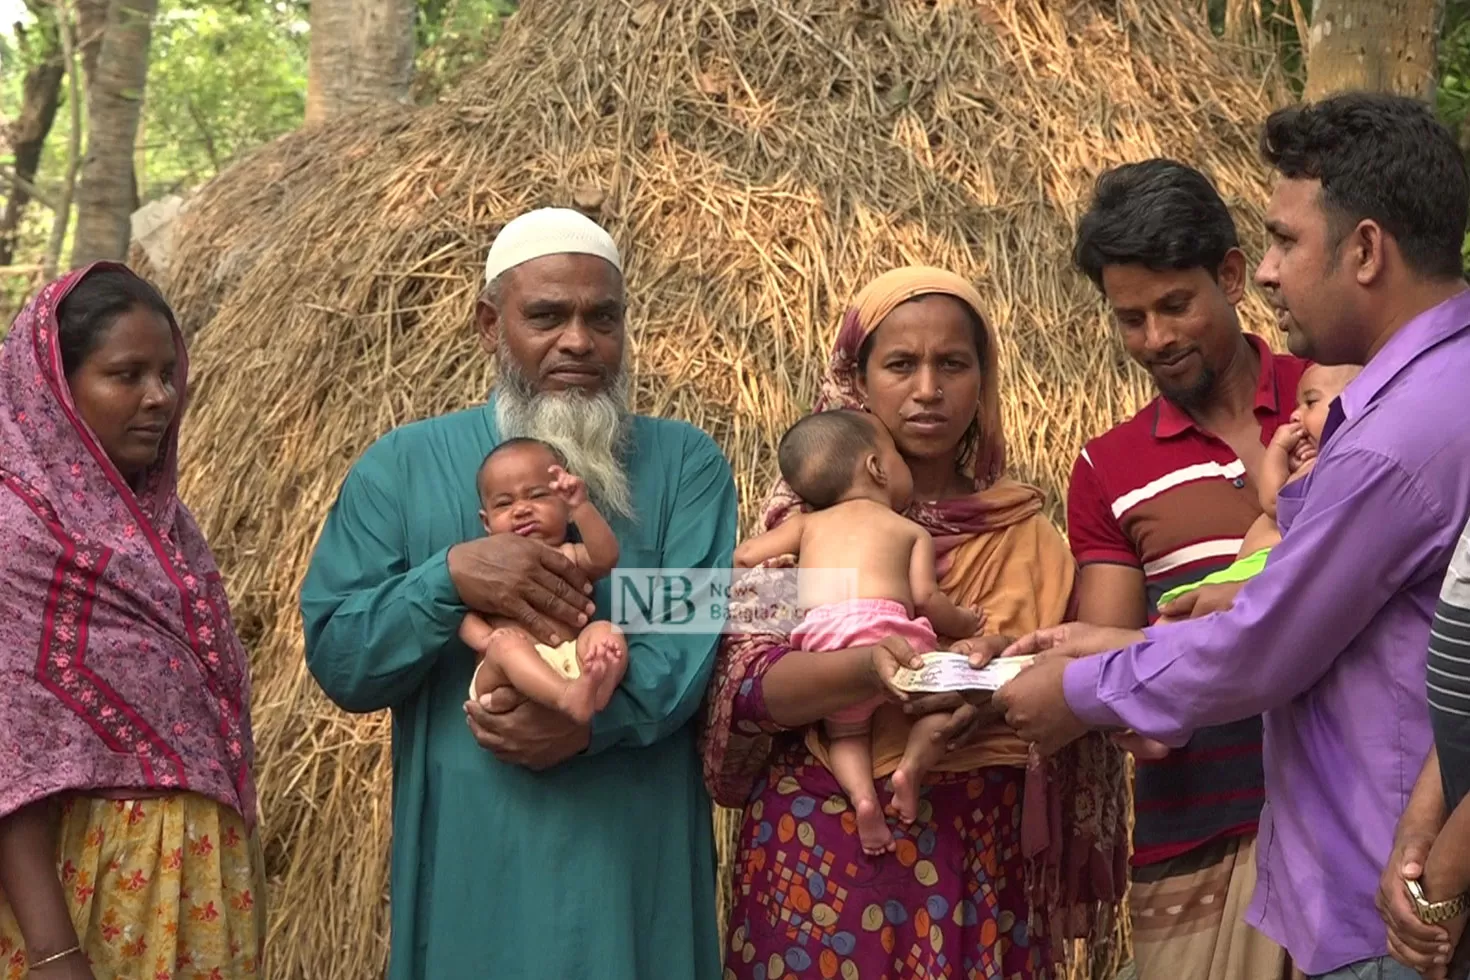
(1329, 641)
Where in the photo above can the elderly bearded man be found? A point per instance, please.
(564, 851)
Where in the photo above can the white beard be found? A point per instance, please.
(590, 431)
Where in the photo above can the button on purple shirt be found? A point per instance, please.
(1330, 642)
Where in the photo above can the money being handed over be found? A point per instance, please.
(944, 671)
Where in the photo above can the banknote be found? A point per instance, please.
(945, 671)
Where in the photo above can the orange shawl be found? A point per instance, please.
(994, 547)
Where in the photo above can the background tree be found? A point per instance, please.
(107, 196)
(1382, 45)
(38, 46)
(362, 52)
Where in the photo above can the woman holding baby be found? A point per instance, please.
(1010, 854)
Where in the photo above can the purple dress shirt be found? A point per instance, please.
(1329, 642)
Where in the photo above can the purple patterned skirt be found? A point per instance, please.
(951, 903)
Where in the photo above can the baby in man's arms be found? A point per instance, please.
(1289, 458)
(846, 466)
(525, 490)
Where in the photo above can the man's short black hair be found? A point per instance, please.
(1159, 214)
(1384, 158)
(518, 442)
(819, 454)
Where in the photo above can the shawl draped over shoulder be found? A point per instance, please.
(996, 548)
(119, 666)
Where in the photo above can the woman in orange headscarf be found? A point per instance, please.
(1009, 850)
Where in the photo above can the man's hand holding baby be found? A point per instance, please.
(522, 579)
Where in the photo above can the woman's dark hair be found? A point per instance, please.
(970, 441)
(1157, 213)
(1383, 158)
(94, 305)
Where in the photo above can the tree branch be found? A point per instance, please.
(21, 184)
(74, 144)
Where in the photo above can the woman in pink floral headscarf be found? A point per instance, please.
(127, 805)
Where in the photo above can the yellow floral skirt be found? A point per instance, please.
(169, 888)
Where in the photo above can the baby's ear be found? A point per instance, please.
(874, 466)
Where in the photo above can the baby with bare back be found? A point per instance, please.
(525, 490)
(846, 466)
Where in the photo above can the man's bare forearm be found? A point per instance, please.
(1425, 811)
(1447, 869)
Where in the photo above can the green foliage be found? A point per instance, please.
(224, 78)
(453, 36)
(1453, 94)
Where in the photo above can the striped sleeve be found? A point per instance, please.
(1093, 532)
(1449, 638)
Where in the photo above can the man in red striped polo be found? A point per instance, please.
(1162, 500)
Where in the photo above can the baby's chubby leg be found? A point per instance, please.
(476, 632)
(510, 655)
(603, 643)
(920, 754)
(851, 755)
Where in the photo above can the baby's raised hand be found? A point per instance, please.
(1302, 454)
(1288, 437)
(571, 488)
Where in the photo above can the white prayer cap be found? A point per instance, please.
(549, 231)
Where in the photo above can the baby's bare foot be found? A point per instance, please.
(873, 829)
(611, 649)
(579, 699)
(905, 796)
(608, 653)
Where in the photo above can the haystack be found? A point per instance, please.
(758, 161)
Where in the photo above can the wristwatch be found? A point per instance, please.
(1434, 913)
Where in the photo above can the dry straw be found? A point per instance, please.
(758, 161)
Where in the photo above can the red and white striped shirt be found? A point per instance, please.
(1159, 494)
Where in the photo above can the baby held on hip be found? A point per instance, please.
(846, 466)
(524, 490)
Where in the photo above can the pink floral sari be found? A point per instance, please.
(119, 667)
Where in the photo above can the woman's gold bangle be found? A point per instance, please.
(55, 956)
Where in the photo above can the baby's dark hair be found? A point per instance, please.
(519, 442)
(819, 454)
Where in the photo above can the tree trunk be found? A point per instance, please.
(61, 213)
(329, 60)
(361, 52)
(382, 51)
(1377, 45)
(40, 96)
(91, 25)
(105, 198)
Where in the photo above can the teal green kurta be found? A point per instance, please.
(601, 867)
